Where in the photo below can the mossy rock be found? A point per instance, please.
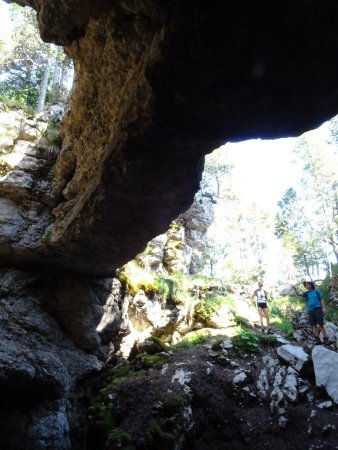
(157, 438)
(118, 439)
(174, 404)
(192, 339)
(151, 361)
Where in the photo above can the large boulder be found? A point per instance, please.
(293, 355)
(325, 364)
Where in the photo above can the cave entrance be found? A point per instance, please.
(266, 211)
(275, 216)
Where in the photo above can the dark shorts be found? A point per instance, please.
(316, 317)
(262, 305)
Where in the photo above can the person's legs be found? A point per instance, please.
(261, 315)
(316, 319)
(313, 319)
(321, 327)
(266, 315)
(323, 330)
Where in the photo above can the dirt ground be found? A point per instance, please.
(204, 409)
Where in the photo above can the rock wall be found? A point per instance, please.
(184, 247)
(158, 85)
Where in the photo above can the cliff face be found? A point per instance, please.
(159, 84)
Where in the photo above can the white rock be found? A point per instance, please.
(281, 340)
(299, 335)
(282, 422)
(280, 374)
(188, 420)
(328, 427)
(227, 344)
(325, 405)
(240, 377)
(290, 388)
(269, 362)
(277, 404)
(332, 331)
(183, 378)
(262, 384)
(295, 356)
(326, 370)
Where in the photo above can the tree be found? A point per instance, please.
(307, 221)
(239, 235)
(320, 188)
(27, 64)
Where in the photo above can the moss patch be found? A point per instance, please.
(194, 339)
(158, 438)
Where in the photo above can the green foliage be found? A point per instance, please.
(282, 310)
(151, 361)
(160, 344)
(165, 288)
(158, 438)
(52, 133)
(331, 309)
(25, 60)
(15, 101)
(246, 341)
(208, 306)
(135, 278)
(195, 339)
(268, 339)
(119, 439)
(307, 219)
(242, 321)
(181, 294)
(251, 341)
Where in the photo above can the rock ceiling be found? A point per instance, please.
(158, 85)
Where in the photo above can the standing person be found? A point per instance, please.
(316, 309)
(262, 307)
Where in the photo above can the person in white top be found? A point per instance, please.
(261, 297)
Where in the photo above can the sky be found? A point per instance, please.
(262, 172)
(5, 23)
(263, 169)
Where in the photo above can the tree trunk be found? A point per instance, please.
(56, 83)
(43, 87)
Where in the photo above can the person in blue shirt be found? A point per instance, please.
(316, 310)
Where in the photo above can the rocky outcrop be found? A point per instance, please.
(42, 358)
(184, 247)
(158, 85)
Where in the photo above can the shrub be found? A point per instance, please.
(164, 287)
(246, 341)
(242, 321)
(208, 306)
(282, 311)
(52, 133)
(193, 340)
